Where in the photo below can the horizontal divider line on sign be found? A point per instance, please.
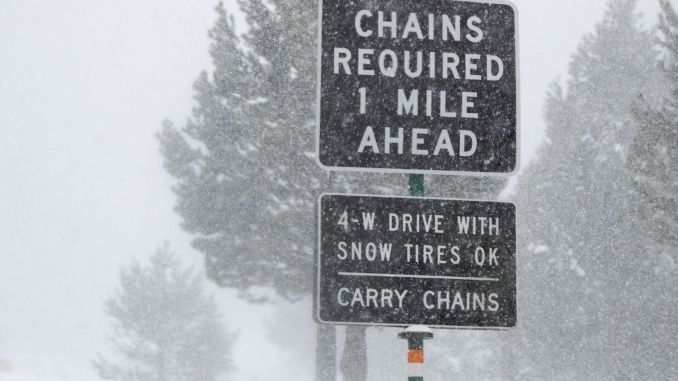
(376, 275)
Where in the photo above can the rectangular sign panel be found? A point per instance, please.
(426, 86)
(414, 261)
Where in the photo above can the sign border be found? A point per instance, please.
(516, 168)
(316, 294)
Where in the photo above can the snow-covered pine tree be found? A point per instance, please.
(654, 156)
(164, 327)
(242, 166)
(653, 161)
(247, 182)
(586, 274)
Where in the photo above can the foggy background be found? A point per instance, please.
(84, 88)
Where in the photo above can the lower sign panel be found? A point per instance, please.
(405, 261)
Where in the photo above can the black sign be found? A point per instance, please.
(418, 86)
(410, 261)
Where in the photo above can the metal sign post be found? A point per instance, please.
(415, 337)
(417, 185)
(416, 334)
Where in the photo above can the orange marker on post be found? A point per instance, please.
(415, 337)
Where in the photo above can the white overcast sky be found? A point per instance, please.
(84, 86)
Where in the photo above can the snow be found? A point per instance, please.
(29, 377)
(418, 329)
(85, 87)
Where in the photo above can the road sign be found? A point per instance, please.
(426, 86)
(415, 261)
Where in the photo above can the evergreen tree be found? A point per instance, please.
(654, 156)
(247, 181)
(165, 329)
(586, 273)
